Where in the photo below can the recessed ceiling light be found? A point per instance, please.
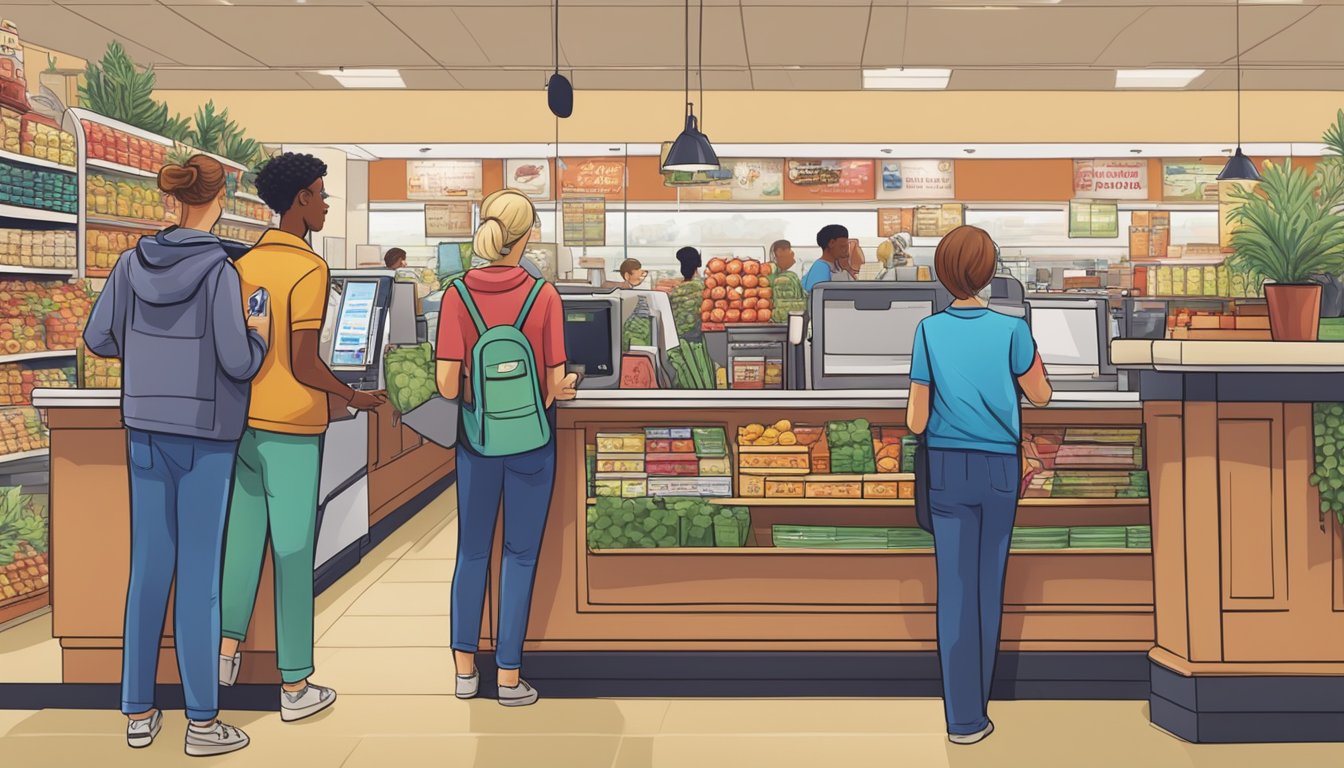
(365, 78)
(899, 78)
(424, 149)
(1155, 78)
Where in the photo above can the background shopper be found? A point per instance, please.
(501, 294)
(833, 266)
(395, 258)
(970, 367)
(280, 456)
(633, 274)
(172, 311)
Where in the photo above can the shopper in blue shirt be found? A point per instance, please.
(970, 368)
(833, 240)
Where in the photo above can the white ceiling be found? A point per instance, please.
(749, 44)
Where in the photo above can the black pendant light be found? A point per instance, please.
(1239, 167)
(692, 150)
(559, 92)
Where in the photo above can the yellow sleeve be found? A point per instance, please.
(308, 301)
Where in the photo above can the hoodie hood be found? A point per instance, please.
(496, 279)
(168, 268)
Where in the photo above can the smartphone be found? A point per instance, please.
(578, 371)
(258, 303)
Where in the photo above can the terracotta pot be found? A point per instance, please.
(1294, 311)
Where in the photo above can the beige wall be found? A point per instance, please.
(773, 117)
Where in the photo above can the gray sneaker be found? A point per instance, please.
(306, 703)
(971, 738)
(228, 669)
(468, 685)
(141, 733)
(216, 739)
(519, 695)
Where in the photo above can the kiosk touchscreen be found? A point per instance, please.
(1073, 338)
(863, 333)
(593, 339)
(352, 336)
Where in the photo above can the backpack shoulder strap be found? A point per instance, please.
(527, 303)
(471, 306)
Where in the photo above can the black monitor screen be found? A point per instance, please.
(588, 340)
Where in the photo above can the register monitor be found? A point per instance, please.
(1073, 338)
(863, 333)
(353, 334)
(593, 339)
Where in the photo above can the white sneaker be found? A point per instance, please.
(216, 739)
(306, 703)
(971, 738)
(520, 695)
(468, 685)
(228, 669)
(140, 733)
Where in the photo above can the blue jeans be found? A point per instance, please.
(973, 500)
(179, 501)
(524, 484)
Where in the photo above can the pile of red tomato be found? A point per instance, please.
(737, 291)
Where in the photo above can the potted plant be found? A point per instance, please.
(1288, 228)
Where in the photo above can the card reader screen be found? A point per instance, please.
(353, 345)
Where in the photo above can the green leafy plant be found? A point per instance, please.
(211, 129)
(115, 87)
(21, 522)
(1287, 226)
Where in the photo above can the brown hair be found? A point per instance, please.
(629, 265)
(393, 256)
(777, 246)
(197, 182)
(965, 261)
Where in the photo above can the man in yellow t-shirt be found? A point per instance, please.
(279, 458)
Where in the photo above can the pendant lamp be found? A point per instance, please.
(692, 150)
(1239, 167)
(559, 92)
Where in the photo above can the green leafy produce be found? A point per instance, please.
(685, 300)
(1328, 430)
(851, 444)
(409, 374)
(650, 522)
(693, 368)
(637, 332)
(115, 87)
(23, 520)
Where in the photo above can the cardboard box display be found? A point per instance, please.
(784, 488)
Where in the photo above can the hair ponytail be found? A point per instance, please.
(197, 182)
(506, 217)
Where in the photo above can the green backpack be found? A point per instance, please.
(507, 416)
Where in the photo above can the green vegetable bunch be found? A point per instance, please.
(637, 332)
(1328, 479)
(851, 446)
(22, 520)
(409, 373)
(647, 523)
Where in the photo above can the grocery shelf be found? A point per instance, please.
(10, 458)
(36, 214)
(15, 157)
(6, 269)
(103, 220)
(250, 198)
(124, 170)
(23, 605)
(746, 502)
(42, 355)
(236, 219)
(769, 551)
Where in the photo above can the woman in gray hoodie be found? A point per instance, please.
(173, 312)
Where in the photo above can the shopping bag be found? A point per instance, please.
(923, 512)
(436, 420)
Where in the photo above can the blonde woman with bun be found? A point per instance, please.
(494, 307)
(172, 312)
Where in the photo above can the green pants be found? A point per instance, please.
(275, 492)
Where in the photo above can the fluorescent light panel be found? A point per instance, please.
(918, 79)
(1155, 78)
(365, 78)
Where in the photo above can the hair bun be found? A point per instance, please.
(173, 178)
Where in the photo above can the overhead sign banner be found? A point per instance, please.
(443, 179)
(601, 176)
(448, 219)
(1093, 219)
(1190, 181)
(1110, 179)
(938, 220)
(749, 179)
(584, 222)
(916, 180)
(894, 221)
(531, 177)
(830, 179)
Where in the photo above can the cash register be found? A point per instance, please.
(367, 310)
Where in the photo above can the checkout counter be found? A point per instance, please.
(376, 474)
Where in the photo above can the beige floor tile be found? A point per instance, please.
(591, 717)
(74, 722)
(406, 671)
(416, 570)
(402, 599)
(388, 632)
(438, 544)
(11, 718)
(332, 604)
(771, 716)
(486, 751)
(806, 750)
(105, 751)
(29, 654)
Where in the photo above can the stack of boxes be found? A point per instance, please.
(47, 248)
(662, 461)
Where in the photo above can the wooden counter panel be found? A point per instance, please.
(1166, 480)
(853, 581)
(1250, 469)
(84, 418)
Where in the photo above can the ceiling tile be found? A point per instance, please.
(998, 79)
(54, 27)
(316, 37)
(652, 36)
(229, 80)
(440, 32)
(818, 36)
(629, 80)
(886, 38)
(1276, 80)
(166, 31)
(502, 79)
(1314, 40)
(512, 36)
(807, 79)
(430, 80)
(1168, 37)
(1025, 36)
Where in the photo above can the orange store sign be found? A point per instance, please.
(1110, 179)
(592, 176)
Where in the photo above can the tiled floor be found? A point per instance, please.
(383, 643)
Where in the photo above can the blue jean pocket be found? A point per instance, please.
(139, 450)
(937, 471)
(1001, 473)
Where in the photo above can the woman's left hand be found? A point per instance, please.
(569, 388)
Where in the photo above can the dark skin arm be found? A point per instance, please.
(312, 372)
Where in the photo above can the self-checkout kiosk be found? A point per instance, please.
(367, 310)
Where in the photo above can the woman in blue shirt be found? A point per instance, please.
(969, 370)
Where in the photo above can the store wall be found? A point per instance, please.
(356, 209)
(773, 116)
(338, 186)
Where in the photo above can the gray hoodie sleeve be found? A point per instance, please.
(103, 332)
(240, 349)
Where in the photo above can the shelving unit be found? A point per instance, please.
(47, 165)
(42, 355)
(20, 213)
